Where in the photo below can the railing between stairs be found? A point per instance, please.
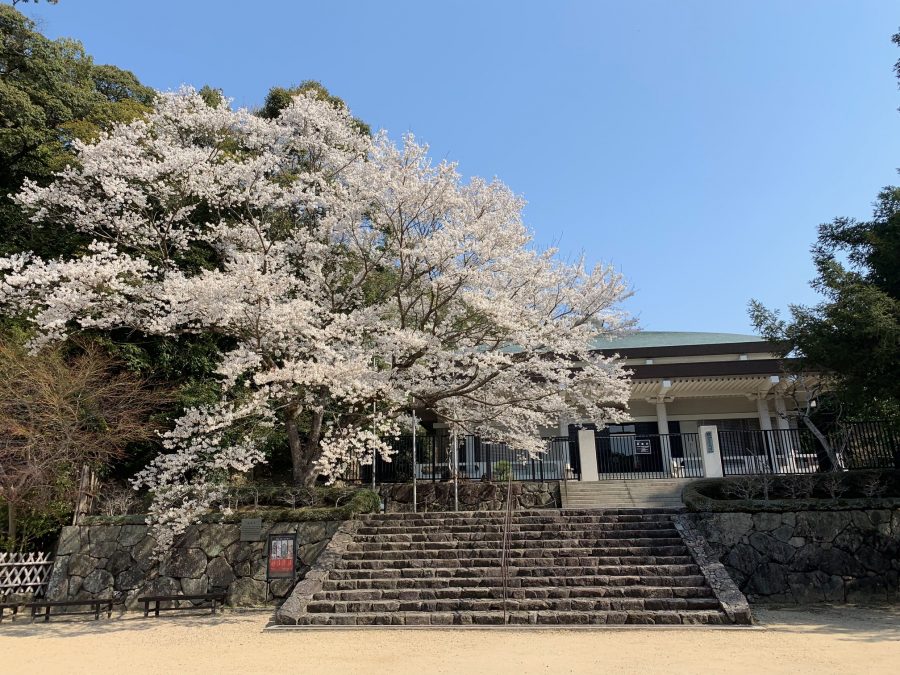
(504, 551)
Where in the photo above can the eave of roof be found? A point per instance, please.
(709, 369)
(658, 344)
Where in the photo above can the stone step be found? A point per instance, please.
(635, 523)
(589, 504)
(581, 515)
(496, 581)
(498, 618)
(517, 543)
(460, 529)
(626, 530)
(570, 566)
(615, 569)
(523, 513)
(496, 592)
(469, 553)
(589, 561)
(512, 604)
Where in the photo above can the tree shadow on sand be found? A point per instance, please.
(61, 625)
(856, 623)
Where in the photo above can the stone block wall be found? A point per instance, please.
(808, 556)
(94, 561)
(473, 496)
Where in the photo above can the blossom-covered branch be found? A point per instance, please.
(354, 279)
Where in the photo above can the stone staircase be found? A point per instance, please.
(565, 567)
(618, 494)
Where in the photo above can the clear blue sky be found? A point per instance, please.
(695, 145)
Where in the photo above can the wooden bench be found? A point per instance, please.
(212, 598)
(96, 606)
(12, 606)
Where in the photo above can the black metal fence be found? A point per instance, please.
(623, 456)
(478, 459)
(869, 445)
(863, 445)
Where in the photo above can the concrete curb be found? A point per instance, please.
(733, 602)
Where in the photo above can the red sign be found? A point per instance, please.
(282, 559)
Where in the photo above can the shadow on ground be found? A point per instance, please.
(863, 623)
(69, 626)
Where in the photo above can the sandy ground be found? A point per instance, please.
(826, 640)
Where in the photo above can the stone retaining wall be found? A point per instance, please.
(95, 561)
(473, 496)
(808, 556)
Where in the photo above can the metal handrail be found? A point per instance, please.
(504, 557)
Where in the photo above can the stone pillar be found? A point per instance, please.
(710, 451)
(781, 419)
(765, 424)
(662, 427)
(765, 419)
(563, 425)
(472, 471)
(662, 418)
(587, 452)
(785, 441)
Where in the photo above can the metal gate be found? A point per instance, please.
(641, 456)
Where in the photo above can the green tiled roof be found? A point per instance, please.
(671, 339)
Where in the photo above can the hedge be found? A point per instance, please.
(709, 495)
(361, 501)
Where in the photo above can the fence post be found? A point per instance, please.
(710, 451)
(587, 452)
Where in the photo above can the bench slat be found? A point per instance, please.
(155, 600)
(199, 596)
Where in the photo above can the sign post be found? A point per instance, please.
(281, 556)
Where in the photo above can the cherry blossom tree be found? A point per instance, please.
(341, 269)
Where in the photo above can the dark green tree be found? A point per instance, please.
(852, 336)
(279, 97)
(51, 93)
(854, 333)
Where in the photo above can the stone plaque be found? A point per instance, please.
(251, 529)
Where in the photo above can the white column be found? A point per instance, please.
(662, 418)
(781, 419)
(765, 423)
(765, 419)
(472, 471)
(662, 427)
(563, 425)
(587, 452)
(785, 445)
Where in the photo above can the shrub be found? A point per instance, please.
(502, 470)
(873, 488)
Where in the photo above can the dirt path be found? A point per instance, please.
(827, 640)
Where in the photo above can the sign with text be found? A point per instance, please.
(281, 562)
(642, 446)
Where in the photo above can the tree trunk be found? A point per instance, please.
(836, 464)
(303, 454)
(11, 524)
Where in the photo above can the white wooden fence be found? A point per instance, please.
(24, 572)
